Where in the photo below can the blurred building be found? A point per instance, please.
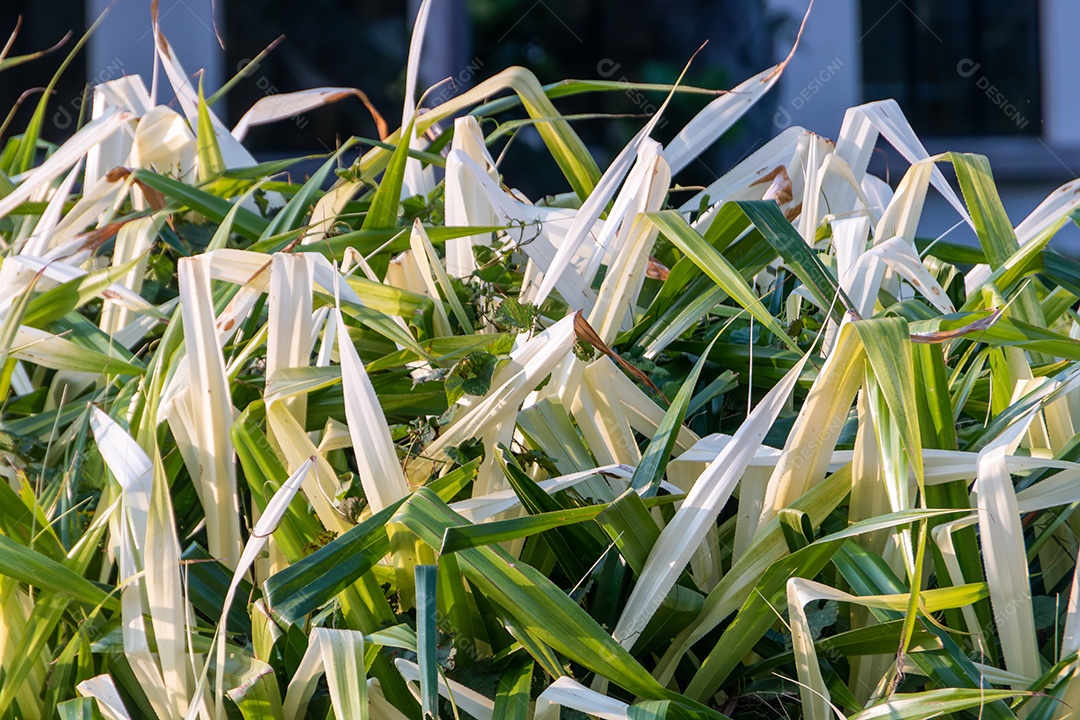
(997, 77)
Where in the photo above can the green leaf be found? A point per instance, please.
(572, 545)
(547, 427)
(758, 611)
(933, 703)
(381, 241)
(717, 267)
(798, 530)
(207, 583)
(305, 586)
(868, 574)
(566, 148)
(426, 640)
(687, 293)
(512, 695)
(211, 164)
(541, 610)
(9, 332)
(343, 658)
(800, 257)
(757, 614)
(58, 301)
(888, 349)
(290, 217)
(517, 315)
(78, 709)
(992, 224)
(265, 474)
(384, 205)
(661, 710)
(470, 376)
(650, 471)
(247, 223)
(630, 526)
(456, 539)
(258, 696)
(33, 568)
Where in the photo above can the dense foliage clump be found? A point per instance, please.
(398, 441)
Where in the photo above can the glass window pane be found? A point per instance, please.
(969, 67)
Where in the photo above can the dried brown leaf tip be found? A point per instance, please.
(940, 336)
(117, 174)
(656, 270)
(779, 187)
(585, 333)
(154, 198)
(97, 237)
(380, 124)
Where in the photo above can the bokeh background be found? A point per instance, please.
(998, 77)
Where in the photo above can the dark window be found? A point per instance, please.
(364, 43)
(969, 67)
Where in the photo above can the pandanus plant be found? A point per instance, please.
(400, 441)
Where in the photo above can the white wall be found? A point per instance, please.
(124, 43)
(825, 76)
(1059, 23)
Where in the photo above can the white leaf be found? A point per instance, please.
(64, 158)
(569, 693)
(39, 241)
(901, 217)
(465, 698)
(289, 325)
(699, 511)
(858, 135)
(154, 534)
(717, 118)
(165, 144)
(432, 267)
(745, 180)
(343, 660)
(260, 534)
(481, 507)
(103, 689)
(901, 257)
(212, 411)
(529, 364)
(535, 229)
(625, 244)
(282, 106)
(305, 679)
(1051, 213)
(129, 465)
(376, 457)
(588, 214)
(127, 93)
(464, 199)
(416, 181)
(1002, 535)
